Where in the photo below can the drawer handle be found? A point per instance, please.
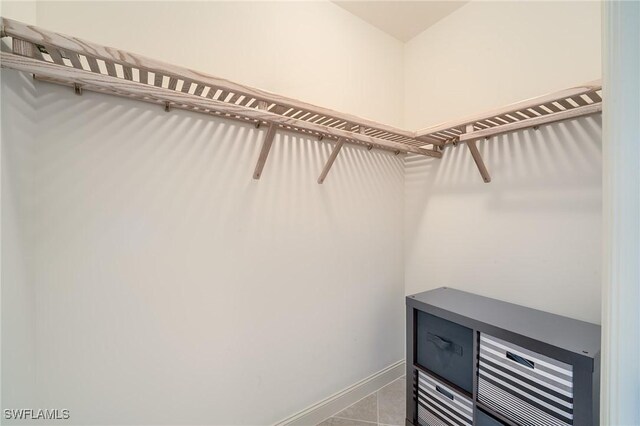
(520, 360)
(444, 344)
(444, 392)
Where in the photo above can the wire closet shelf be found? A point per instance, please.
(83, 65)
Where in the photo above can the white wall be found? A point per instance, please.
(18, 299)
(533, 235)
(17, 137)
(169, 286)
(173, 288)
(309, 50)
(491, 53)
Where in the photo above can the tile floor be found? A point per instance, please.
(384, 407)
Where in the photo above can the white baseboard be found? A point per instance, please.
(337, 402)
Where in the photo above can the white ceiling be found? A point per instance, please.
(401, 19)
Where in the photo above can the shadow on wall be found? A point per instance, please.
(167, 279)
(527, 168)
(567, 154)
(18, 123)
(181, 155)
(535, 225)
(138, 158)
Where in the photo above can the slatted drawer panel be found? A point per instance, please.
(440, 405)
(530, 388)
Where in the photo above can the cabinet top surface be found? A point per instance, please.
(566, 333)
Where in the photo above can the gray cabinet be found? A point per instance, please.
(472, 360)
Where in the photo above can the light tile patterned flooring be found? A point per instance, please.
(384, 407)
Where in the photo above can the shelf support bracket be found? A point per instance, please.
(264, 153)
(263, 106)
(471, 143)
(266, 144)
(332, 158)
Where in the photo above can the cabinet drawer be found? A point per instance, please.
(483, 419)
(440, 405)
(530, 388)
(446, 349)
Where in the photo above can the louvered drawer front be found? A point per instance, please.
(439, 405)
(531, 389)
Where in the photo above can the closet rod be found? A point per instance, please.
(533, 122)
(105, 83)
